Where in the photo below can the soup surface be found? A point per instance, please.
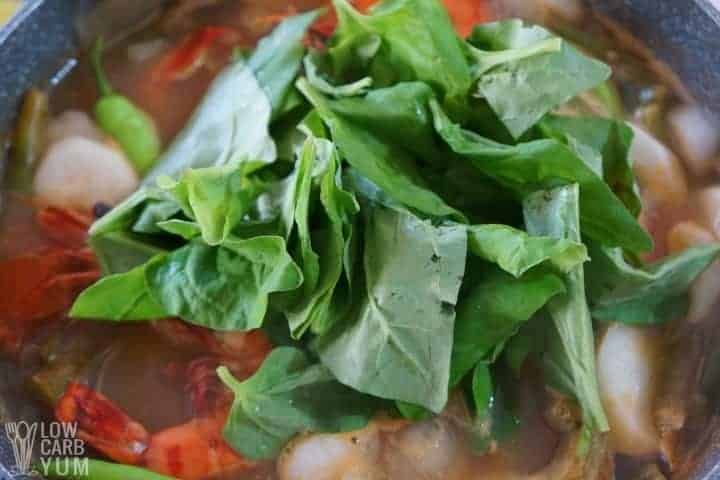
(417, 239)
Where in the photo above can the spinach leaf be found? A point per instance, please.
(528, 167)
(120, 297)
(555, 213)
(396, 343)
(653, 294)
(289, 395)
(223, 288)
(418, 42)
(277, 58)
(603, 142)
(118, 252)
(516, 252)
(522, 91)
(388, 166)
(316, 79)
(493, 311)
(398, 114)
(217, 198)
(317, 310)
(230, 127)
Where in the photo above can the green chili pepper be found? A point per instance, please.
(74, 468)
(29, 140)
(132, 128)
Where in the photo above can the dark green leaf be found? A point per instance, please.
(516, 252)
(287, 396)
(493, 311)
(397, 342)
(223, 288)
(386, 165)
(653, 294)
(555, 213)
(229, 127)
(418, 42)
(277, 58)
(528, 167)
(606, 140)
(522, 91)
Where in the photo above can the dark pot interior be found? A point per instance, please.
(38, 45)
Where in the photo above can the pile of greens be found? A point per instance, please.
(402, 211)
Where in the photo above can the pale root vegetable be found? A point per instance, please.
(431, 450)
(695, 137)
(659, 172)
(708, 200)
(73, 123)
(347, 456)
(705, 293)
(80, 173)
(688, 234)
(627, 373)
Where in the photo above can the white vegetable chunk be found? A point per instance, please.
(348, 456)
(695, 137)
(659, 172)
(627, 373)
(705, 293)
(73, 123)
(79, 173)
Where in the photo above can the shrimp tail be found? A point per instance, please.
(102, 424)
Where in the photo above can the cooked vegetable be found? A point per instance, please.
(379, 254)
(628, 372)
(572, 360)
(29, 141)
(96, 470)
(132, 128)
(80, 173)
(289, 395)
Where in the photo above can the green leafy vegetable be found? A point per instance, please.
(602, 142)
(317, 309)
(276, 60)
(493, 311)
(386, 165)
(120, 297)
(315, 78)
(217, 198)
(229, 127)
(653, 294)
(417, 42)
(398, 339)
(555, 213)
(523, 90)
(516, 252)
(223, 288)
(287, 396)
(532, 166)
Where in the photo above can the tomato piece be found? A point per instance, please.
(193, 52)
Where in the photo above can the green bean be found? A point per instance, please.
(132, 128)
(69, 468)
(29, 140)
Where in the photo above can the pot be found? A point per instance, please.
(38, 44)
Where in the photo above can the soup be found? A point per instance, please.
(417, 239)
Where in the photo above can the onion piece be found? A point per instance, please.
(73, 123)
